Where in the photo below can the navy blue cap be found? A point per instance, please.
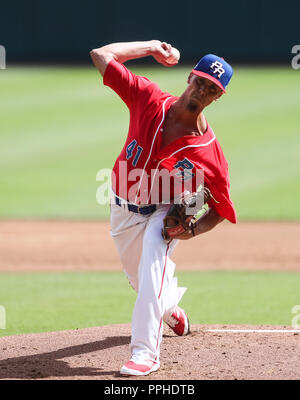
(214, 68)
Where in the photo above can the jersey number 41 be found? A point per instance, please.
(130, 150)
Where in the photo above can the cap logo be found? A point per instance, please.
(218, 68)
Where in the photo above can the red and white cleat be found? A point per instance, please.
(177, 320)
(139, 369)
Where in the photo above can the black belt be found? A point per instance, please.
(144, 210)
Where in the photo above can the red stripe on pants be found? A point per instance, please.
(163, 277)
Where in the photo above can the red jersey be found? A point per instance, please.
(142, 153)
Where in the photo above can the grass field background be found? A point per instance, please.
(43, 302)
(59, 126)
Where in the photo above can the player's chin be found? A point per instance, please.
(193, 106)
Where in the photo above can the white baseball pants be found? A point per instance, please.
(145, 257)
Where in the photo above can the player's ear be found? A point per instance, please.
(217, 98)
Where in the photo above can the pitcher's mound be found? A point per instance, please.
(99, 353)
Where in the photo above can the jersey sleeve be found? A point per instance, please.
(219, 185)
(222, 202)
(188, 169)
(130, 87)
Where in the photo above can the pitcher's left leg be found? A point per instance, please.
(157, 291)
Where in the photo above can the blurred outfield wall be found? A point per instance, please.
(256, 31)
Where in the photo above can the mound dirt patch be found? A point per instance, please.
(98, 353)
(74, 245)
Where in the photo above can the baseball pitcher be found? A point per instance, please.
(167, 135)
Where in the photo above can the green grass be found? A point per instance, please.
(59, 126)
(42, 302)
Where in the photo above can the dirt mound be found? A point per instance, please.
(98, 353)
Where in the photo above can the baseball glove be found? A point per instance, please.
(181, 216)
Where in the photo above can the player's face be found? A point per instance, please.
(202, 90)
